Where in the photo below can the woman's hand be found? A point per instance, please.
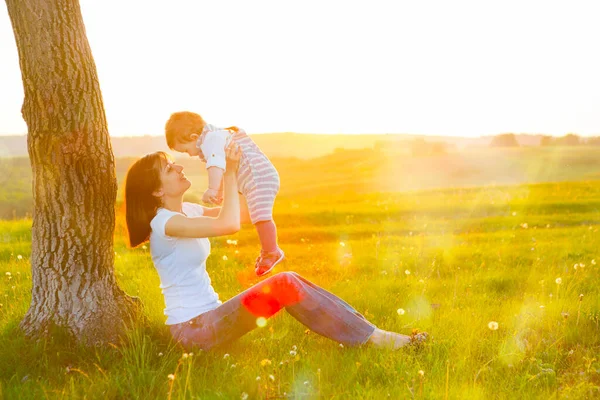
(233, 155)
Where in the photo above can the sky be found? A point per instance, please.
(450, 68)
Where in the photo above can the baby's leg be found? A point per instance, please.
(244, 213)
(260, 200)
(267, 234)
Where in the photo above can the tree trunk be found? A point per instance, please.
(74, 182)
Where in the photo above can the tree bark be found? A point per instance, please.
(74, 182)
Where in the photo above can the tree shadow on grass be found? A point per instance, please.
(55, 364)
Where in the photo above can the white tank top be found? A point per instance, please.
(181, 265)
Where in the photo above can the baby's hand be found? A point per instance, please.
(219, 198)
(211, 196)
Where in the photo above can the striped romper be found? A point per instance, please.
(258, 180)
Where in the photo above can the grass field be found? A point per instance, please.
(453, 259)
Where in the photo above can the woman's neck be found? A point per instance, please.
(173, 203)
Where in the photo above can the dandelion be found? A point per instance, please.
(266, 362)
(341, 346)
(233, 366)
(407, 272)
(272, 378)
(581, 297)
(257, 378)
(558, 281)
(421, 373)
(493, 325)
(293, 353)
(8, 274)
(19, 257)
(225, 258)
(225, 356)
(171, 377)
(261, 322)
(184, 356)
(294, 348)
(244, 396)
(581, 265)
(593, 262)
(160, 354)
(401, 311)
(524, 225)
(575, 266)
(190, 354)
(144, 247)
(306, 383)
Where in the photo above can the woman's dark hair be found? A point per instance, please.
(143, 179)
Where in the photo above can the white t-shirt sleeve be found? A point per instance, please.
(159, 222)
(213, 148)
(193, 209)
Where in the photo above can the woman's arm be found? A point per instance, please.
(211, 211)
(244, 214)
(228, 219)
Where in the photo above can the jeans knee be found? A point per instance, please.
(287, 277)
(289, 280)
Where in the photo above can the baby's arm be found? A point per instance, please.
(215, 177)
(213, 148)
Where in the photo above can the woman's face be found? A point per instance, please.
(173, 181)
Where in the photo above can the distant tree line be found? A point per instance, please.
(570, 139)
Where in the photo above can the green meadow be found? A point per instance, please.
(495, 254)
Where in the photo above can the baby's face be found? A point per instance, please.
(188, 147)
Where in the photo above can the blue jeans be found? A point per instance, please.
(319, 310)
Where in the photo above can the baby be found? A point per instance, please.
(258, 180)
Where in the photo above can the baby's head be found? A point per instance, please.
(182, 131)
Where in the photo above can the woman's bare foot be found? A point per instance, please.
(388, 340)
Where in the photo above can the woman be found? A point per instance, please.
(178, 233)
